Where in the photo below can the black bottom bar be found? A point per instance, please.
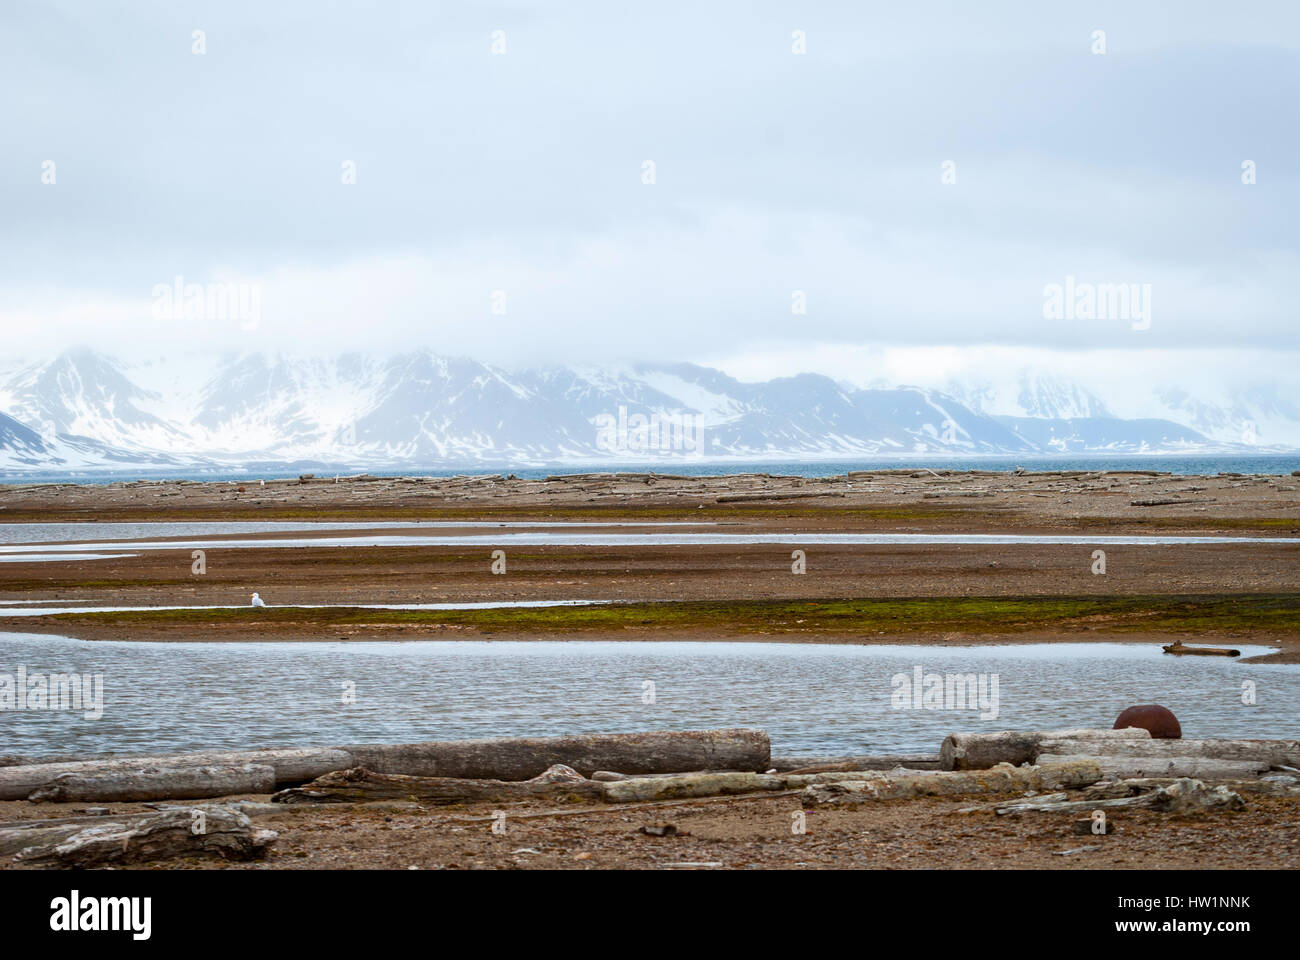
(311, 910)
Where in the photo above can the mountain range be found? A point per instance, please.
(87, 410)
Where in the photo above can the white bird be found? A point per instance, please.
(258, 601)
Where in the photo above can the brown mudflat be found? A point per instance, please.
(753, 832)
(747, 576)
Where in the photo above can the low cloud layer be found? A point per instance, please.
(501, 207)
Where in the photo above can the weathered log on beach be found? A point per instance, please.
(1125, 768)
(797, 781)
(609, 776)
(289, 766)
(1169, 502)
(979, 751)
(520, 758)
(359, 785)
(1265, 786)
(1192, 796)
(1181, 796)
(1004, 778)
(173, 782)
(794, 779)
(250, 808)
(15, 838)
(212, 832)
(220, 773)
(703, 785)
(877, 761)
(1273, 752)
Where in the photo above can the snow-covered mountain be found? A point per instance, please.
(21, 445)
(85, 410)
(1261, 415)
(1252, 414)
(1029, 394)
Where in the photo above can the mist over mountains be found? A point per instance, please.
(87, 410)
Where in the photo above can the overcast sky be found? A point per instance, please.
(523, 172)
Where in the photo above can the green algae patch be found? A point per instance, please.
(857, 617)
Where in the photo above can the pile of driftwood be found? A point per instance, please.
(459, 771)
(232, 773)
(1123, 753)
(1114, 768)
(1123, 767)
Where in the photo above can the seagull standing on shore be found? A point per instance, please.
(258, 601)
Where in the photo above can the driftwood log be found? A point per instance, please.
(609, 776)
(1265, 786)
(558, 783)
(360, 785)
(521, 758)
(1004, 778)
(247, 807)
(1181, 796)
(1169, 502)
(132, 774)
(212, 832)
(1273, 752)
(1125, 768)
(151, 782)
(799, 778)
(702, 785)
(797, 781)
(879, 761)
(980, 751)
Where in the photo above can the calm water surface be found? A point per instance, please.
(811, 698)
(86, 530)
(53, 552)
(38, 611)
